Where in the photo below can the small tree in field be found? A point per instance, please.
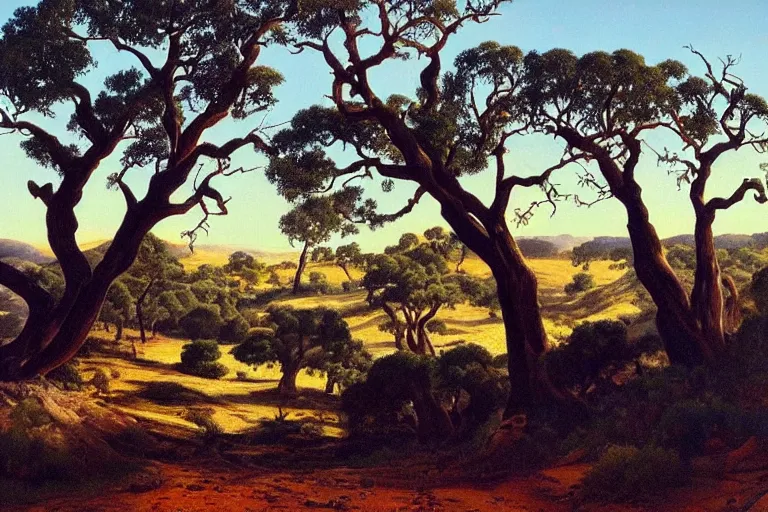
(322, 254)
(301, 338)
(411, 288)
(581, 283)
(118, 307)
(313, 222)
(154, 264)
(347, 256)
(188, 66)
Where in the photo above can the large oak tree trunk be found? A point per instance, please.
(675, 321)
(526, 339)
(287, 384)
(435, 423)
(424, 343)
(397, 329)
(56, 336)
(345, 268)
(707, 298)
(300, 269)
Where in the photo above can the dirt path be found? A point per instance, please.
(219, 488)
(192, 489)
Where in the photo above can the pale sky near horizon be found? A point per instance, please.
(658, 29)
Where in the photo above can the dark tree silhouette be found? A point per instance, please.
(195, 64)
(604, 105)
(455, 124)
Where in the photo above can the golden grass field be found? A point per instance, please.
(239, 405)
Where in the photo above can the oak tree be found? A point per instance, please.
(188, 66)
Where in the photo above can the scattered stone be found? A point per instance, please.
(367, 483)
(195, 487)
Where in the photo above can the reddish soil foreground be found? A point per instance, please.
(223, 488)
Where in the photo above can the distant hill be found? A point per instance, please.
(729, 241)
(561, 242)
(22, 251)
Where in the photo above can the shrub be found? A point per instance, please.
(67, 376)
(208, 370)
(627, 473)
(318, 283)
(200, 351)
(209, 428)
(591, 349)
(100, 381)
(170, 392)
(350, 286)
(202, 322)
(255, 332)
(199, 358)
(29, 413)
(311, 429)
(437, 326)
(115, 374)
(235, 330)
(241, 375)
(581, 283)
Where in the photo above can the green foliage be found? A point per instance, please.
(209, 428)
(168, 392)
(203, 321)
(101, 381)
(316, 219)
(437, 326)
(592, 349)
(469, 368)
(318, 339)
(199, 358)
(29, 413)
(321, 254)
(67, 376)
(234, 330)
(581, 283)
(759, 290)
(626, 473)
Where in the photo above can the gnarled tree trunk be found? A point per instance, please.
(300, 269)
(287, 384)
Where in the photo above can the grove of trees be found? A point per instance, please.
(195, 64)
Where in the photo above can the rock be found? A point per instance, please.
(195, 487)
(367, 483)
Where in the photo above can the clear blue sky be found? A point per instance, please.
(657, 29)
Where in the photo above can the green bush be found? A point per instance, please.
(209, 428)
(437, 326)
(591, 349)
(200, 351)
(67, 376)
(207, 370)
(29, 413)
(581, 283)
(200, 358)
(234, 331)
(168, 392)
(203, 322)
(626, 473)
(100, 381)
